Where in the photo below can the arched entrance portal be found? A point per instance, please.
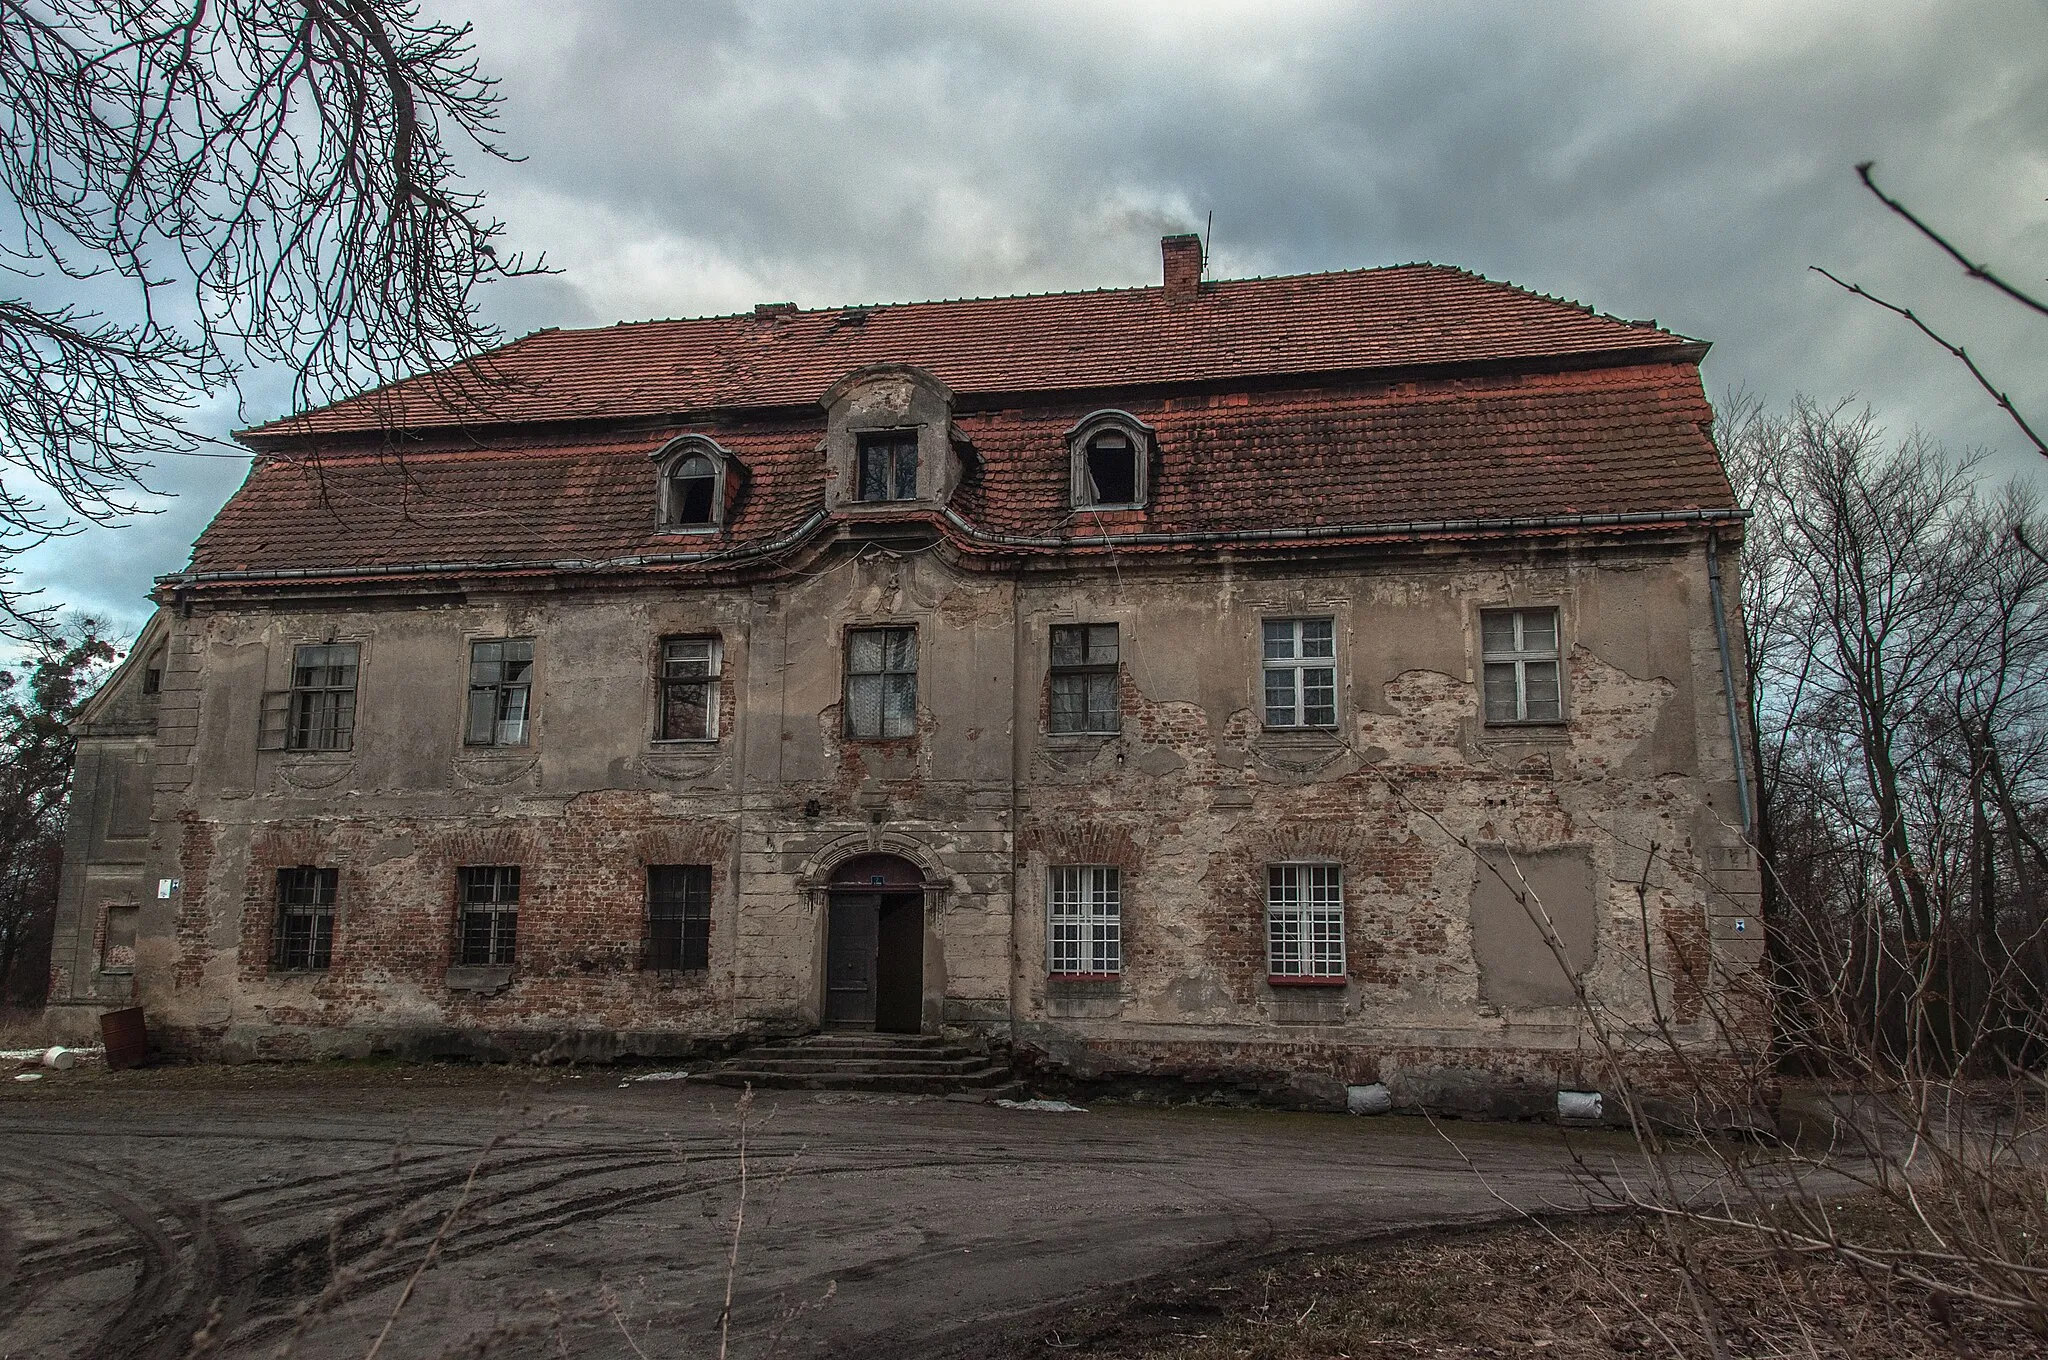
(874, 945)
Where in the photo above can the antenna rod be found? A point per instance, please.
(1207, 233)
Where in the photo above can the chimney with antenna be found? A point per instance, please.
(1183, 258)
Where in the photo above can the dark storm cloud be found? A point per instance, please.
(1682, 162)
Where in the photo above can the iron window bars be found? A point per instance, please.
(304, 934)
(1084, 929)
(1305, 920)
(678, 917)
(490, 914)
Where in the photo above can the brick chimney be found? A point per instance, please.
(1183, 257)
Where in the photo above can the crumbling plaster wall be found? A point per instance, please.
(1195, 798)
(1192, 799)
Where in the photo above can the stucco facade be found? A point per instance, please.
(1446, 992)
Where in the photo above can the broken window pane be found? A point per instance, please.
(692, 492)
(1111, 470)
(321, 712)
(500, 692)
(689, 689)
(1084, 678)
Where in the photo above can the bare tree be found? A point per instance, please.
(198, 186)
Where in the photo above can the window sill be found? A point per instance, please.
(690, 530)
(1304, 731)
(1304, 980)
(486, 979)
(279, 971)
(682, 743)
(1549, 729)
(1084, 977)
(1081, 738)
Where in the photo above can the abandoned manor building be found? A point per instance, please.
(1168, 682)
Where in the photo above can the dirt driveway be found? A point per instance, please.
(141, 1208)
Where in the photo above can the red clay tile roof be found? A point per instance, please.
(1620, 439)
(1401, 317)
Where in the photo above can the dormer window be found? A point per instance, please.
(692, 487)
(1110, 453)
(888, 466)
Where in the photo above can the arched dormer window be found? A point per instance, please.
(1111, 452)
(693, 472)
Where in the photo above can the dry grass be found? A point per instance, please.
(1571, 1291)
(24, 1027)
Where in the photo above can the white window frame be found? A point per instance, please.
(710, 679)
(1305, 920)
(1084, 921)
(1295, 664)
(1081, 485)
(1517, 662)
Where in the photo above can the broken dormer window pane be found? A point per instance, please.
(693, 493)
(1111, 470)
(888, 466)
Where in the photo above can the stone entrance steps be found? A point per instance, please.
(860, 1060)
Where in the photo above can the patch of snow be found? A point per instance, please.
(655, 1076)
(1050, 1106)
(91, 1053)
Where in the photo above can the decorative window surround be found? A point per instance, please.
(1110, 457)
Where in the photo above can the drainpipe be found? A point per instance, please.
(1728, 682)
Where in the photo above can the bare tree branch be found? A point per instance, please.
(2004, 402)
(1970, 266)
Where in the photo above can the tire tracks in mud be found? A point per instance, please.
(191, 1263)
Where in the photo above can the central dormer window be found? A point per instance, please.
(888, 466)
(693, 473)
(693, 486)
(1109, 451)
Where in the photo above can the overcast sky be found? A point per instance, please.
(1682, 162)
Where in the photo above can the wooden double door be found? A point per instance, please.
(874, 961)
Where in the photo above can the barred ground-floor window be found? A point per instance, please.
(304, 933)
(1084, 926)
(490, 915)
(1305, 920)
(678, 917)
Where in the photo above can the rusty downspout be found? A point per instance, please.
(1728, 683)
